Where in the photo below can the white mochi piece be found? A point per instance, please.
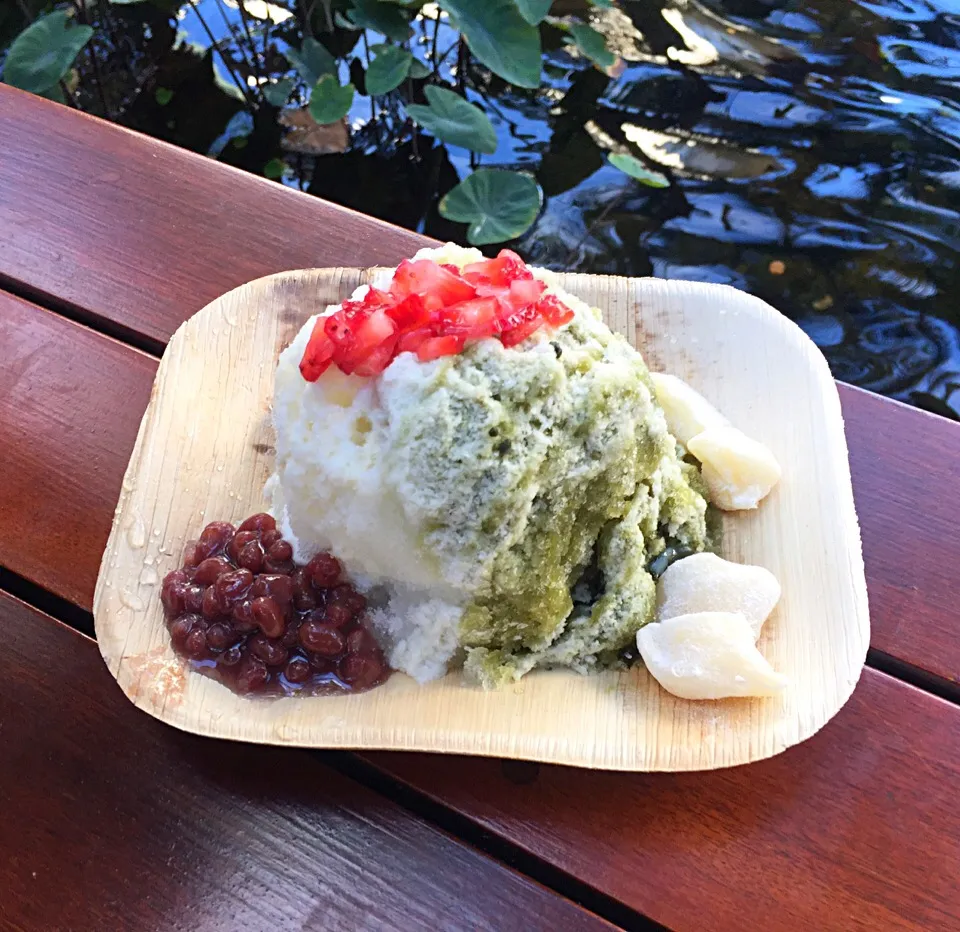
(707, 655)
(688, 413)
(739, 471)
(705, 582)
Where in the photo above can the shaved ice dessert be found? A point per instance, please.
(491, 464)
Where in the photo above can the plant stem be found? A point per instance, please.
(253, 46)
(251, 69)
(461, 65)
(433, 48)
(213, 44)
(98, 80)
(68, 95)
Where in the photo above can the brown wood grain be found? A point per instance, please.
(141, 234)
(856, 829)
(70, 405)
(906, 483)
(112, 821)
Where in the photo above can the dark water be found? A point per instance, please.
(813, 151)
(815, 155)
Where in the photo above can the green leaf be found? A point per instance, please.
(43, 53)
(388, 69)
(329, 101)
(278, 94)
(418, 69)
(274, 169)
(312, 62)
(534, 11)
(499, 205)
(163, 96)
(451, 119)
(633, 167)
(593, 45)
(385, 18)
(500, 38)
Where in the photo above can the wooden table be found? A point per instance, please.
(110, 820)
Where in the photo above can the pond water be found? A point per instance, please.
(812, 149)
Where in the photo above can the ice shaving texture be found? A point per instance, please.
(479, 488)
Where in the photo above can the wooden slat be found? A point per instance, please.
(906, 483)
(141, 234)
(114, 821)
(70, 405)
(857, 828)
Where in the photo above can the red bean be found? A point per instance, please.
(304, 598)
(181, 628)
(251, 557)
(195, 645)
(270, 651)
(321, 639)
(191, 554)
(280, 552)
(277, 586)
(355, 601)
(324, 570)
(214, 538)
(221, 635)
(173, 592)
(233, 587)
(268, 616)
(211, 568)
(361, 641)
(258, 523)
(193, 599)
(238, 542)
(212, 607)
(231, 656)
(269, 537)
(291, 636)
(359, 670)
(298, 670)
(252, 675)
(243, 619)
(337, 614)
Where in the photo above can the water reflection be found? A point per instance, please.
(814, 156)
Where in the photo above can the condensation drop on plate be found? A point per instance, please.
(131, 600)
(136, 532)
(149, 576)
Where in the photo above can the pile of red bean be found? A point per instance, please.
(242, 610)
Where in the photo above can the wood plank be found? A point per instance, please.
(70, 405)
(906, 482)
(855, 829)
(140, 234)
(114, 821)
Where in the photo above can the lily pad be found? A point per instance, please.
(534, 11)
(43, 53)
(499, 205)
(455, 121)
(388, 69)
(330, 101)
(593, 45)
(312, 62)
(500, 38)
(633, 167)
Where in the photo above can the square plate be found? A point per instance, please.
(205, 448)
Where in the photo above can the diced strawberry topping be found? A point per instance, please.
(318, 355)
(435, 347)
(433, 310)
